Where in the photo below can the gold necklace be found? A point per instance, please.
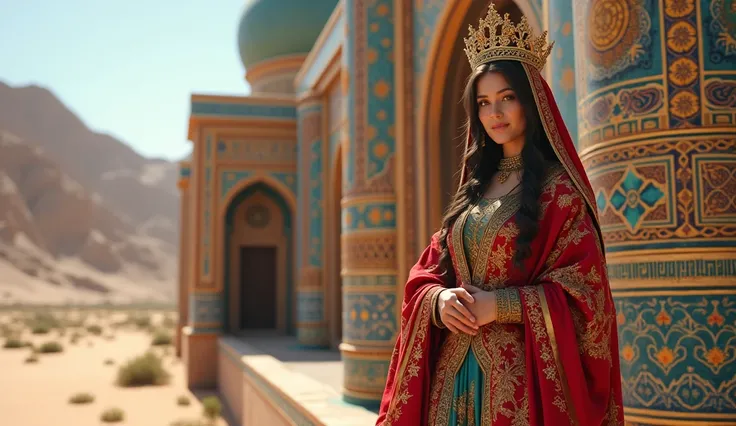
(508, 165)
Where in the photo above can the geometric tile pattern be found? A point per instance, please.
(369, 215)
(674, 270)
(635, 194)
(370, 317)
(715, 185)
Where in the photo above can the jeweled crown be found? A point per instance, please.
(498, 38)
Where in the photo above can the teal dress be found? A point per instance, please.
(467, 401)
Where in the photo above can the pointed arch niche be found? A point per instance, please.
(258, 256)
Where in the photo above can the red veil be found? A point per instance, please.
(570, 371)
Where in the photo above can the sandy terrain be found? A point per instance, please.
(38, 394)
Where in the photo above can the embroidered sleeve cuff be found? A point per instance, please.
(509, 306)
(436, 320)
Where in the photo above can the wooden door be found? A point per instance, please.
(258, 288)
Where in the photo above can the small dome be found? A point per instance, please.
(272, 28)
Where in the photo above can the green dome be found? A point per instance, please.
(271, 28)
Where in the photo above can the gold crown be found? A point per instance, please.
(514, 42)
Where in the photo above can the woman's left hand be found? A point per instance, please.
(484, 309)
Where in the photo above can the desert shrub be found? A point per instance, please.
(40, 329)
(95, 330)
(144, 370)
(161, 338)
(42, 322)
(81, 398)
(113, 415)
(183, 401)
(212, 407)
(14, 343)
(51, 348)
(141, 321)
(109, 361)
(32, 359)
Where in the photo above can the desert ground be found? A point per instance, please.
(95, 345)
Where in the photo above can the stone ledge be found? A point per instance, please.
(301, 399)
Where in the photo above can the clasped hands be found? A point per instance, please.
(466, 308)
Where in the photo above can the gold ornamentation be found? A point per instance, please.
(501, 350)
(679, 8)
(436, 320)
(509, 165)
(685, 104)
(509, 306)
(553, 134)
(498, 38)
(683, 71)
(617, 36)
(409, 367)
(539, 331)
(681, 37)
(464, 406)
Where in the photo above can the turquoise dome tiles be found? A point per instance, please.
(273, 28)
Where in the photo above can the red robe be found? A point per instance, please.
(560, 365)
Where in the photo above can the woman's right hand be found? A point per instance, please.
(453, 313)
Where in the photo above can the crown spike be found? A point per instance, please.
(497, 38)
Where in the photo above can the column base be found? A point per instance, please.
(313, 335)
(199, 351)
(365, 371)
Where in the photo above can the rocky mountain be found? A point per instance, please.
(140, 190)
(83, 217)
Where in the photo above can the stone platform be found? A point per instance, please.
(271, 380)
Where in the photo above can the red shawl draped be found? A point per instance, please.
(561, 365)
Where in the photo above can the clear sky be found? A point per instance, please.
(125, 67)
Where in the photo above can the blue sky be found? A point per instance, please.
(125, 67)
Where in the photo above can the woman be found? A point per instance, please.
(507, 317)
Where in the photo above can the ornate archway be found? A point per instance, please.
(257, 258)
(441, 115)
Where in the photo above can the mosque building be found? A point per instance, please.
(306, 202)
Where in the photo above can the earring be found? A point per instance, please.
(483, 144)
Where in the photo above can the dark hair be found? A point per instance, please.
(483, 162)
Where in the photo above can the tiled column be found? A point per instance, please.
(206, 304)
(657, 132)
(311, 327)
(371, 299)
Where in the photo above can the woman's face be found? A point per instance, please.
(501, 112)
